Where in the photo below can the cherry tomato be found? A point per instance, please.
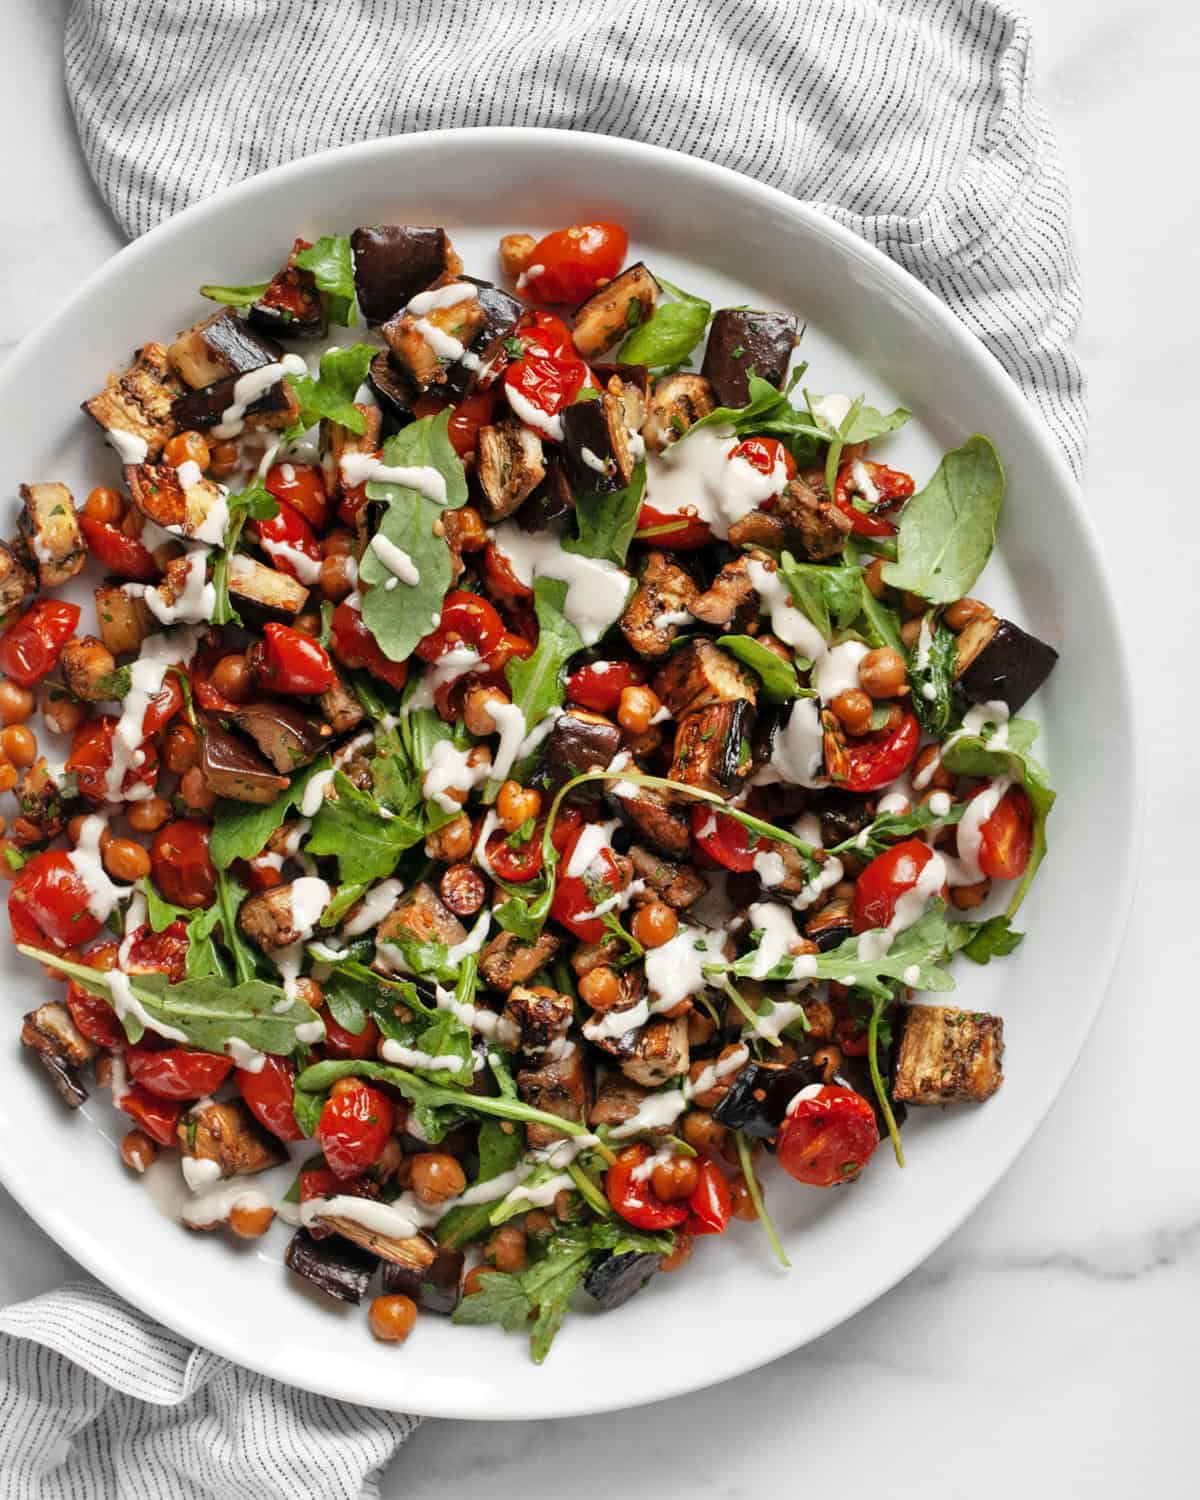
(634, 1199)
(123, 555)
(468, 416)
(828, 1138)
(711, 1204)
(158, 1117)
(352, 503)
(503, 583)
(355, 646)
(285, 534)
(354, 1127)
(873, 762)
(48, 904)
(599, 685)
(288, 661)
(885, 880)
(545, 384)
(30, 646)
(1006, 836)
(576, 896)
(573, 263)
(180, 863)
(763, 454)
(509, 645)
(269, 1094)
(259, 875)
(891, 487)
(544, 335)
(293, 292)
(466, 620)
(200, 678)
(341, 1043)
(566, 825)
(516, 864)
(320, 1182)
(176, 1073)
(91, 756)
(162, 952)
(302, 486)
(676, 531)
(724, 839)
(163, 707)
(95, 1017)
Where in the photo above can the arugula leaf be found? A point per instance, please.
(352, 827)
(948, 529)
(778, 678)
(254, 503)
(345, 998)
(332, 393)
(307, 1111)
(346, 896)
(549, 1284)
(500, 1299)
(209, 1012)
(241, 829)
(889, 828)
(769, 412)
(329, 260)
(670, 335)
(522, 916)
(993, 938)
(235, 296)
(159, 912)
(830, 597)
(931, 670)
(16, 859)
(607, 522)
(230, 896)
(115, 685)
(202, 960)
(869, 422)
(399, 617)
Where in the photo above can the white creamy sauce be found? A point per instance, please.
(824, 880)
(448, 772)
(675, 969)
(770, 868)
(660, 1158)
(671, 617)
(940, 804)
(474, 940)
(863, 483)
(541, 1194)
(126, 1003)
(246, 1057)
(200, 1172)
(361, 468)
(834, 408)
(590, 845)
(395, 559)
(307, 569)
(530, 273)
(533, 416)
(798, 750)
(189, 473)
(373, 907)
(158, 654)
(779, 935)
(196, 600)
(449, 668)
(698, 478)
(970, 832)
(909, 908)
(310, 897)
(510, 722)
(440, 297)
(314, 793)
(250, 388)
(912, 974)
(790, 624)
(710, 1076)
(130, 448)
(103, 895)
(836, 670)
(487, 828)
(412, 1057)
(478, 1018)
(593, 461)
(389, 1219)
(215, 1206)
(811, 1091)
(597, 590)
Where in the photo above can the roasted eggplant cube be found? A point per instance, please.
(395, 392)
(712, 747)
(229, 1135)
(596, 455)
(742, 343)
(814, 526)
(138, 403)
(266, 919)
(50, 529)
(123, 620)
(435, 1288)
(562, 1087)
(551, 501)
(508, 961)
(416, 342)
(288, 738)
(660, 1052)
(660, 604)
(220, 346)
(609, 314)
(277, 407)
(500, 313)
(730, 593)
(542, 1019)
(1000, 662)
(291, 307)
(580, 741)
(340, 707)
(43, 803)
(699, 675)
(261, 594)
(157, 492)
(51, 1034)
(616, 1278)
(231, 768)
(421, 916)
(758, 1097)
(16, 581)
(948, 1055)
(333, 1265)
(832, 925)
(674, 405)
(679, 885)
(647, 813)
(393, 262)
(618, 1099)
(510, 467)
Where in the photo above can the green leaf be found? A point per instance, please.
(254, 503)
(549, 1284)
(203, 960)
(831, 597)
(348, 1002)
(332, 394)
(993, 938)
(607, 522)
(778, 678)
(768, 413)
(868, 423)
(230, 896)
(307, 1110)
(352, 827)
(879, 623)
(329, 261)
(669, 336)
(947, 530)
(241, 829)
(235, 296)
(890, 828)
(931, 675)
(500, 1299)
(115, 685)
(160, 913)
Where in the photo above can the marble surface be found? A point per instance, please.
(1054, 1343)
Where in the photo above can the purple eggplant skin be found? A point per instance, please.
(436, 1289)
(282, 323)
(232, 769)
(637, 376)
(742, 343)
(394, 391)
(551, 501)
(500, 312)
(71, 1088)
(196, 410)
(759, 1096)
(392, 263)
(333, 1265)
(287, 737)
(1010, 668)
(616, 1278)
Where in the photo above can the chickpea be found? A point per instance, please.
(181, 749)
(16, 703)
(702, 1132)
(564, 1205)
(18, 744)
(93, 661)
(968, 897)
(138, 1150)
(232, 678)
(309, 623)
(701, 1028)
(125, 860)
(674, 1179)
(912, 604)
(477, 709)
(777, 648)
(339, 543)
(515, 250)
(928, 772)
(451, 843)
(188, 448)
(910, 632)
(741, 1204)
(103, 504)
(149, 815)
(223, 459)
(600, 988)
(506, 1249)
(195, 791)
(6, 870)
(75, 831)
(471, 1284)
(538, 1222)
(964, 612)
(874, 578)
(337, 577)
(829, 1060)
(516, 804)
(437, 1176)
(710, 1097)
(882, 673)
(104, 958)
(678, 1257)
(637, 707)
(249, 1222)
(464, 529)
(392, 1318)
(854, 710)
(9, 776)
(72, 955)
(104, 1070)
(654, 924)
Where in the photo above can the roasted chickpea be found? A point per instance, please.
(964, 612)
(16, 703)
(75, 831)
(17, 744)
(471, 1283)
(195, 791)
(910, 632)
(104, 1071)
(339, 543)
(138, 1150)
(701, 1028)
(637, 707)
(702, 1132)
(451, 843)
(187, 448)
(741, 1204)
(968, 897)
(9, 776)
(149, 815)
(873, 575)
(232, 678)
(776, 647)
(515, 250)
(62, 713)
(829, 1060)
(516, 804)
(392, 1318)
(464, 529)
(654, 924)
(248, 1222)
(223, 459)
(680, 1255)
(437, 1176)
(127, 861)
(600, 988)
(309, 623)
(538, 1222)
(181, 749)
(928, 773)
(675, 1179)
(105, 958)
(882, 672)
(477, 709)
(710, 1097)
(854, 710)
(103, 504)
(337, 577)
(506, 1249)
(564, 1205)
(912, 604)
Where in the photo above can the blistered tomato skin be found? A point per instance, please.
(570, 264)
(724, 839)
(891, 486)
(31, 645)
(576, 896)
(301, 486)
(48, 903)
(158, 1117)
(599, 685)
(354, 1127)
(180, 863)
(288, 661)
(91, 757)
(828, 1139)
(269, 1094)
(287, 536)
(634, 1198)
(711, 1205)
(123, 555)
(355, 647)
(1006, 836)
(885, 880)
(176, 1073)
(874, 762)
(466, 620)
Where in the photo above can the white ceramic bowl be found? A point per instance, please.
(870, 328)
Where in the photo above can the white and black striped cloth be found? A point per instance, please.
(912, 122)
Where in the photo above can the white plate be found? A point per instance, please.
(870, 327)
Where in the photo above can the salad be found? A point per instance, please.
(520, 774)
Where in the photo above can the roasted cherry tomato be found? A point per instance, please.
(30, 646)
(354, 1126)
(468, 416)
(568, 265)
(885, 880)
(123, 555)
(634, 1199)
(163, 707)
(290, 542)
(828, 1138)
(711, 1204)
(566, 825)
(544, 335)
(519, 863)
(889, 488)
(158, 1117)
(503, 583)
(1006, 836)
(599, 685)
(873, 762)
(48, 903)
(320, 1182)
(355, 646)
(341, 1043)
(288, 661)
(576, 896)
(164, 952)
(467, 620)
(724, 839)
(352, 503)
(180, 863)
(679, 532)
(764, 454)
(176, 1073)
(95, 1017)
(91, 758)
(545, 385)
(269, 1094)
(302, 486)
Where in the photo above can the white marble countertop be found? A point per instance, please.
(1053, 1345)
